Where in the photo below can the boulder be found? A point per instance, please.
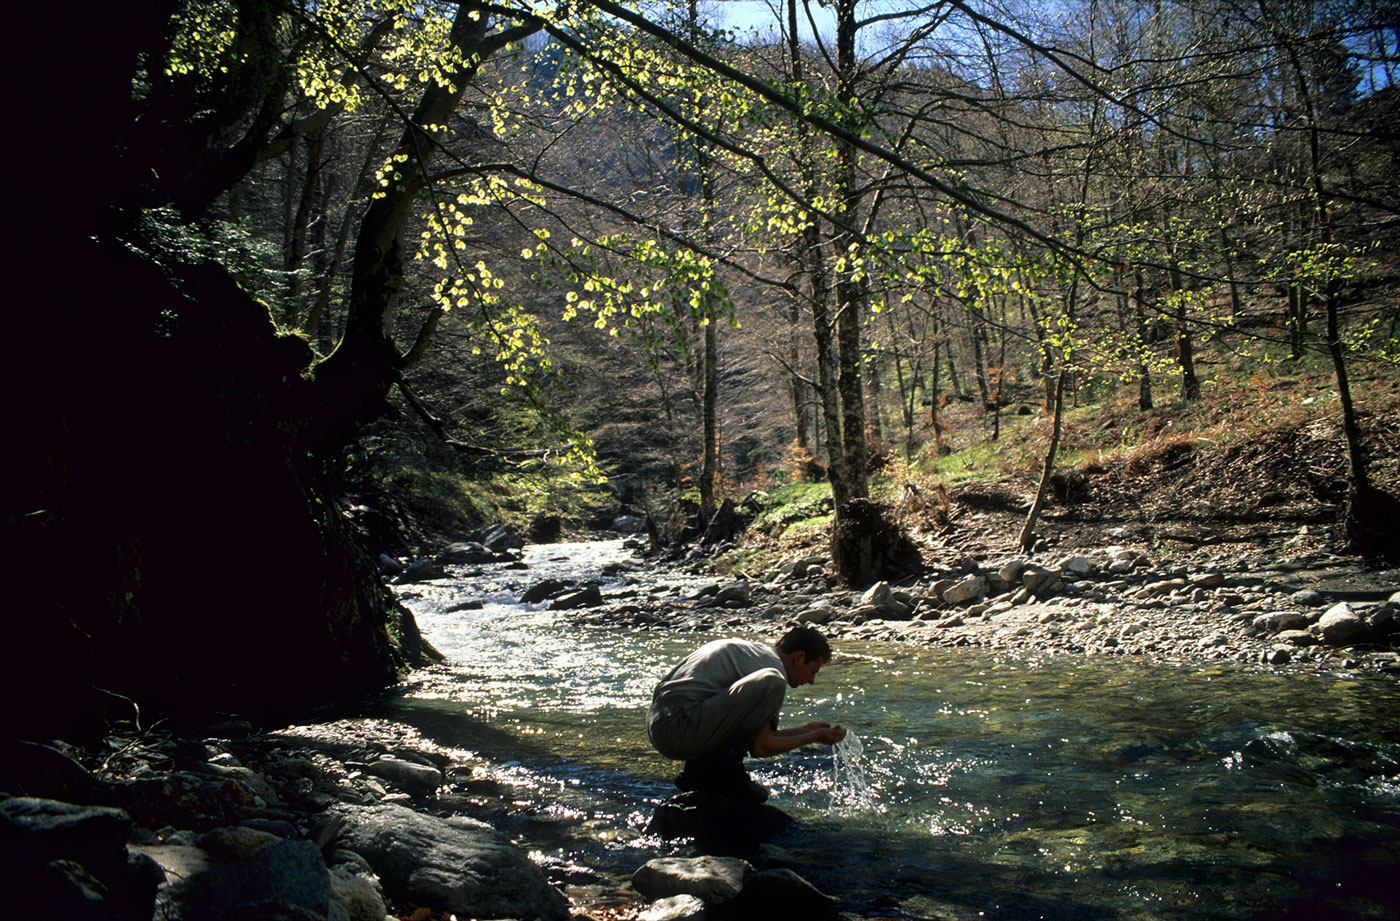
(462, 553)
(546, 588)
(1340, 626)
(497, 538)
(780, 893)
(546, 529)
(713, 880)
(965, 590)
(285, 880)
(590, 596)
(448, 864)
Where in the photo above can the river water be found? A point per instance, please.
(1057, 788)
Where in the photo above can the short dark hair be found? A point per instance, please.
(807, 640)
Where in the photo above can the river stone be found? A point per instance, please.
(1278, 621)
(965, 590)
(1010, 571)
(417, 777)
(877, 595)
(236, 842)
(711, 879)
(462, 553)
(357, 894)
(541, 590)
(287, 879)
(675, 908)
(1296, 637)
(590, 596)
(819, 612)
(181, 799)
(247, 778)
(780, 893)
(1078, 564)
(452, 864)
(1340, 626)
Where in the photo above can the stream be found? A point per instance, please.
(1057, 787)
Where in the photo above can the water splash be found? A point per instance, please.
(851, 790)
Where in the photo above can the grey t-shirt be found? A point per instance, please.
(713, 668)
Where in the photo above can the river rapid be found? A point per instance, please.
(1000, 787)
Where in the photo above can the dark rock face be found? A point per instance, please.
(218, 573)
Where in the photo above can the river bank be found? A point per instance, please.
(362, 815)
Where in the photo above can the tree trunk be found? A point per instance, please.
(1026, 540)
(351, 383)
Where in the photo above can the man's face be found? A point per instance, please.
(802, 670)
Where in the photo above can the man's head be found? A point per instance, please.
(803, 651)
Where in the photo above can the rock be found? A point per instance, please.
(1079, 565)
(34, 770)
(1206, 580)
(448, 864)
(820, 612)
(388, 565)
(674, 908)
(545, 529)
(418, 778)
(1340, 626)
(590, 596)
(357, 894)
(877, 595)
(423, 571)
(733, 595)
(713, 880)
(717, 829)
(285, 880)
(546, 588)
(181, 799)
(780, 893)
(1277, 621)
(1036, 578)
(969, 589)
(498, 538)
(628, 524)
(1296, 637)
(1010, 572)
(236, 842)
(462, 553)
(1279, 655)
(248, 779)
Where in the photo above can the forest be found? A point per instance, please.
(1046, 355)
(367, 274)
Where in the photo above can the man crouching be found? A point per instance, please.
(722, 701)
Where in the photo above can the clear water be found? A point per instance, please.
(1058, 788)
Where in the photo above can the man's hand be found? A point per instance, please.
(776, 741)
(826, 733)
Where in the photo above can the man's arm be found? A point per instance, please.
(776, 741)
